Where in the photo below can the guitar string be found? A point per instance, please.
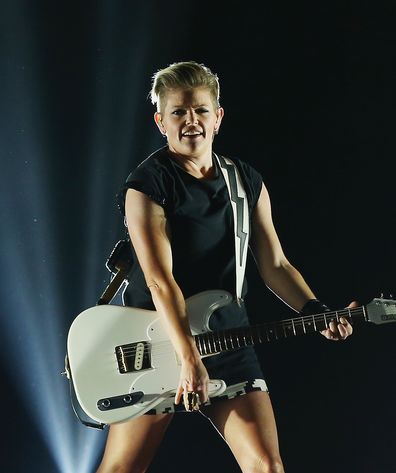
(290, 324)
(297, 322)
(286, 323)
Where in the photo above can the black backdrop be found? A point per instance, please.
(309, 94)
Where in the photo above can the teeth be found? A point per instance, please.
(191, 133)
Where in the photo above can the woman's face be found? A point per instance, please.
(189, 119)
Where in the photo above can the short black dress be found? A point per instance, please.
(200, 217)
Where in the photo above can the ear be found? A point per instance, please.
(220, 115)
(158, 121)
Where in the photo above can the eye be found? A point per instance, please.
(178, 112)
(202, 110)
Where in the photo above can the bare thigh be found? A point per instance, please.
(131, 446)
(248, 426)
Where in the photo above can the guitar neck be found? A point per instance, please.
(210, 343)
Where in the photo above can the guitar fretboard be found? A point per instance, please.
(210, 343)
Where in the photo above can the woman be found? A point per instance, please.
(180, 223)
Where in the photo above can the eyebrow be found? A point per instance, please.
(194, 106)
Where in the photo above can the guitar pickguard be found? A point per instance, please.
(117, 351)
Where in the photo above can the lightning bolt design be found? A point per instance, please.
(239, 202)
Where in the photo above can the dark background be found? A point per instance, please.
(308, 90)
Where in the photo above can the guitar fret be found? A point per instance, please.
(198, 341)
(219, 342)
(246, 337)
(272, 333)
(203, 340)
(207, 343)
(251, 336)
(210, 342)
(267, 334)
(225, 341)
(231, 339)
(284, 330)
(259, 335)
(214, 342)
(308, 325)
(214, 348)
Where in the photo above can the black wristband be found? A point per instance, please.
(314, 306)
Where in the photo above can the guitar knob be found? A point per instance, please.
(106, 403)
(127, 399)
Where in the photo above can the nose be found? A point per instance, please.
(191, 117)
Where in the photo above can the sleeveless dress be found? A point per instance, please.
(200, 217)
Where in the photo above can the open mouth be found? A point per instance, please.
(191, 134)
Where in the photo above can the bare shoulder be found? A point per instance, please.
(140, 207)
(263, 206)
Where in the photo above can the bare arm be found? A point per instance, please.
(148, 230)
(276, 271)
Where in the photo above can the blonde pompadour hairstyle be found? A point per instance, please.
(183, 75)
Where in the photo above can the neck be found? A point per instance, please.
(210, 343)
(199, 166)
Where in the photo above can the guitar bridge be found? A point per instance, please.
(133, 357)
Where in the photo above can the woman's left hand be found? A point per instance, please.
(340, 330)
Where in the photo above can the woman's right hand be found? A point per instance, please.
(193, 378)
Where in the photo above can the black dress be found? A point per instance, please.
(200, 217)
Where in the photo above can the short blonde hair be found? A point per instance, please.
(184, 75)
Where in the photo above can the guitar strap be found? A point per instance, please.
(240, 209)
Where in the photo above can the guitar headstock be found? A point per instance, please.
(381, 311)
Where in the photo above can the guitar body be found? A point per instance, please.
(122, 362)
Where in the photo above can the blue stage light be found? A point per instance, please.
(33, 330)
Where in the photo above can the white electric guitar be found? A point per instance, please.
(122, 362)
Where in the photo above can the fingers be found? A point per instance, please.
(192, 394)
(338, 331)
(342, 329)
(179, 393)
(353, 304)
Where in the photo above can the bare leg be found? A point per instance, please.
(131, 446)
(247, 424)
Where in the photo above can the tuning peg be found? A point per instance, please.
(382, 296)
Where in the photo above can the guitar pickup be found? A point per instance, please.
(133, 357)
(116, 402)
